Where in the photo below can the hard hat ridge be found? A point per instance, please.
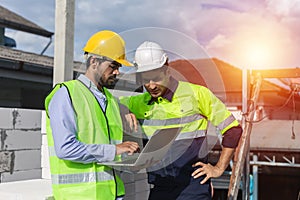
(149, 56)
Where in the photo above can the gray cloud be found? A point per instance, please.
(220, 25)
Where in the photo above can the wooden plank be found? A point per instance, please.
(244, 144)
(279, 73)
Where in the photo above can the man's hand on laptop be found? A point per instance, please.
(132, 122)
(127, 147)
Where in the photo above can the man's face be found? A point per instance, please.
(107, 72)
(155, 82)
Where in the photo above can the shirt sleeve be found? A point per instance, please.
(63, 125)
(232, 136)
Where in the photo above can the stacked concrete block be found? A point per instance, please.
(136, 185)
(20, 150)
(44, 149)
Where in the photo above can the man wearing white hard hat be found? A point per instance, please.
(184, 173)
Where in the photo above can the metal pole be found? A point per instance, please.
(64, 41)
(246, 177)
(246, 171)
(243, 144)
(255, 179)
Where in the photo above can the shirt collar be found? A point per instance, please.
(86, 81)
(173, 84)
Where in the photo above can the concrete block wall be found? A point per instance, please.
(20, 144)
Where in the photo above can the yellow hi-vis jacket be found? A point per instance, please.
(192, 107)
(78, 181)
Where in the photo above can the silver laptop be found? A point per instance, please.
(154, 151)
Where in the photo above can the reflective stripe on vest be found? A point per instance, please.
(173, 121)
(82, 177)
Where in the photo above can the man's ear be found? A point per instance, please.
(93, 62)
(168, 72)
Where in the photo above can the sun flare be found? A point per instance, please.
(258, 54)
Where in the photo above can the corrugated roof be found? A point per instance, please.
(32, 58)
(9, 19)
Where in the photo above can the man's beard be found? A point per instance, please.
(110, 82)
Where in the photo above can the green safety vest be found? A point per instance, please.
(78, 181)
(192, 107)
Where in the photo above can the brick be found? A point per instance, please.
(46, 174)
(27, 119)
(6, 160)
(129, 196)
(141, 175)
(6, 118)
(141, 186)
(44, 140)
(127, 177)
(141, 195)
(129, 188)
(21, 139)
(45, 156)
(43, 122)
(27, 159)
(21, 175)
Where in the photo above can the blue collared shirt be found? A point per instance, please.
(63, 125)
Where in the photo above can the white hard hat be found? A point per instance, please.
(149, 56)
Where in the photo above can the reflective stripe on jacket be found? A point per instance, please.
(72, 180)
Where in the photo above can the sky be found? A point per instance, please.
(247, 34)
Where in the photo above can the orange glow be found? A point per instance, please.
(259, 53)
(261, 47)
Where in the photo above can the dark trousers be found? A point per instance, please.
(174, 191)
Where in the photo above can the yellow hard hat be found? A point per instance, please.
(109, 44)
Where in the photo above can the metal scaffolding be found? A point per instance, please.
(241, 166)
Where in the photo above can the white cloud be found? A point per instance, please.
(286, 8)
(220, 41)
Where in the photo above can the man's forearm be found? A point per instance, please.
(225, 158)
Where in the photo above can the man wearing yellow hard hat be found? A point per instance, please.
(84, 126)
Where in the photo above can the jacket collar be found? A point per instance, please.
(173, 84)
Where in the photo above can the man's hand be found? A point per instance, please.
(214, 171)
(127, 147)
(132, 122)
(208, 170)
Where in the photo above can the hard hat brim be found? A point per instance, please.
(124, 62)
(146, 68)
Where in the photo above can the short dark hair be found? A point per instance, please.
(89, 60)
